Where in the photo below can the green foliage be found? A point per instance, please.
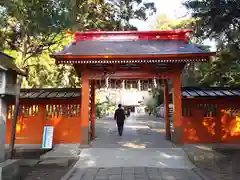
(219, 20)
(30, 30)
(132, 9)
(3, 17)
(32, 27)
(164, 22)
(157, 98)
(216, 19)
(104, 108)
(191, 74)
(94, 15)
(110, 15)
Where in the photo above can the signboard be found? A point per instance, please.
(47, 137)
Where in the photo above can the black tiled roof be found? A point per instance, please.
(65, 93)
(50, 93)
(210, 92)
(130, 47)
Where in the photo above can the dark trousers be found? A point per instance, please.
(120, 128)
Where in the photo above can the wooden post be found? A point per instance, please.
(92, 109)
(15, 116)
(84, 109)
(166, 110)
(3, 120)
(123, 84)
(177, 109)
(139, 85)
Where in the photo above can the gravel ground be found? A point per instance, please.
(45, 172)
(40, 171)
(215, 164)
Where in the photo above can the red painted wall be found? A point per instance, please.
(65, 118)
(211, 121)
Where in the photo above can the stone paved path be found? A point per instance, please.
(219, 164)
(142, 153)
(133, 173)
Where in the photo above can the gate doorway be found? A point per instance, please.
(131, 56)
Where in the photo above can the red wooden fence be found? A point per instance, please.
(64, 116)
(211, 120)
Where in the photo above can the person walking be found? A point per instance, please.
(119, 116)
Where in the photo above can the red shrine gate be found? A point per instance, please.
(131, 55)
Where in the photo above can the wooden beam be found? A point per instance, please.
(88, 58)
(137, 67)
(79, 69)
(131, 75)
(116, 71)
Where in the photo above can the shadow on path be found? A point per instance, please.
(141, 153)
(139, 132)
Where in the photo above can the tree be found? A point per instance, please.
(216, 19)
(191, 74)
(94, 15)
(3, 18)
(156, 100)
(32, 29)
(132, 9)
(219, 20)
(110, 15)
(164, 22)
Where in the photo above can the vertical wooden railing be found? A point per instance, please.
(230, 122)
(64, 117)
(200, 122)
(211, 121)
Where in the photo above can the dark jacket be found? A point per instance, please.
(119, 115)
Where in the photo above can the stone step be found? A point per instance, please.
(62, 151)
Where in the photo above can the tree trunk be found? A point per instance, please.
(14, 121)
(16, 109)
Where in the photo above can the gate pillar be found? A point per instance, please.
(166, 110)
(177, 109)
(92, 115)
(84, 125)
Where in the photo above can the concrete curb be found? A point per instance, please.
(70, 172)
(197, 171)
(9, 169)
(28, 162)
(74, 167)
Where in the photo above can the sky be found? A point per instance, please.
(174, 9)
